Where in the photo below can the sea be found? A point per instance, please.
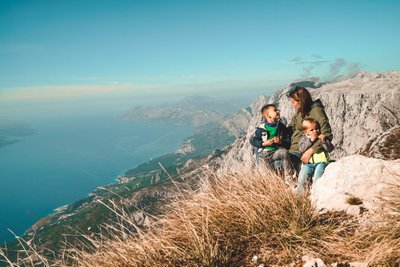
(65, 159)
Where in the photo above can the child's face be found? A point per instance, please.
(312, 130)
(271, 114)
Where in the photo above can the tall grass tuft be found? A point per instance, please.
(379, 243)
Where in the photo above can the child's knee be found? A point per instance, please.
(283, 153)
(319, 171)
(304, 173)
(306, 168)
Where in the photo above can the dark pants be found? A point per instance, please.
(295, 159)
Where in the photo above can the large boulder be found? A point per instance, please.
(356, 184)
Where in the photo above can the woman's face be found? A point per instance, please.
(295, 103)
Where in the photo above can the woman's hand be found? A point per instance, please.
(322, 137)
(305, 158)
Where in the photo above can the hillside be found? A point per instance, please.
(142, 188)
(196, 111)
(219, 210)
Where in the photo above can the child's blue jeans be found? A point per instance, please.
(307, 170)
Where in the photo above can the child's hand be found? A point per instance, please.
(322, 137)
(269, 142)
(277, 140)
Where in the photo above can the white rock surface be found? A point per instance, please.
(312, 262)
(357, 176)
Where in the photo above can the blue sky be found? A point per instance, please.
(57, 49)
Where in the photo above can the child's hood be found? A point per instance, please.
(262, 125)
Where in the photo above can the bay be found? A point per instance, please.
(66, 159)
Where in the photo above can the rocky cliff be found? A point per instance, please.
(362, 110)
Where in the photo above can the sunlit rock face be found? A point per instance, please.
(384, 146)
(359, 109)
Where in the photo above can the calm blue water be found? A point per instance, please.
(66, 159)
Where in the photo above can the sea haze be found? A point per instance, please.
(63, 160)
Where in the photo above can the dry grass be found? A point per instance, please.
(379, 243)
(236, 216)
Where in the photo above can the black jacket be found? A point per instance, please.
(261, 135)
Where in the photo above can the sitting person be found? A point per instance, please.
(272, 141)
(319, 160)
(305, 107)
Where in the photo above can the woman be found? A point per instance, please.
(307, 108)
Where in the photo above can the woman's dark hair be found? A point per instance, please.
(303, 96)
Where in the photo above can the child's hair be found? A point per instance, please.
(309, 121)
(267, 106)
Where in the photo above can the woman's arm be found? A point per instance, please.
(304, 144)
(328, 146)
(318, 114)
(324, 123)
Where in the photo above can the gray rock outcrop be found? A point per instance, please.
(384, 146)
(359, 109)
